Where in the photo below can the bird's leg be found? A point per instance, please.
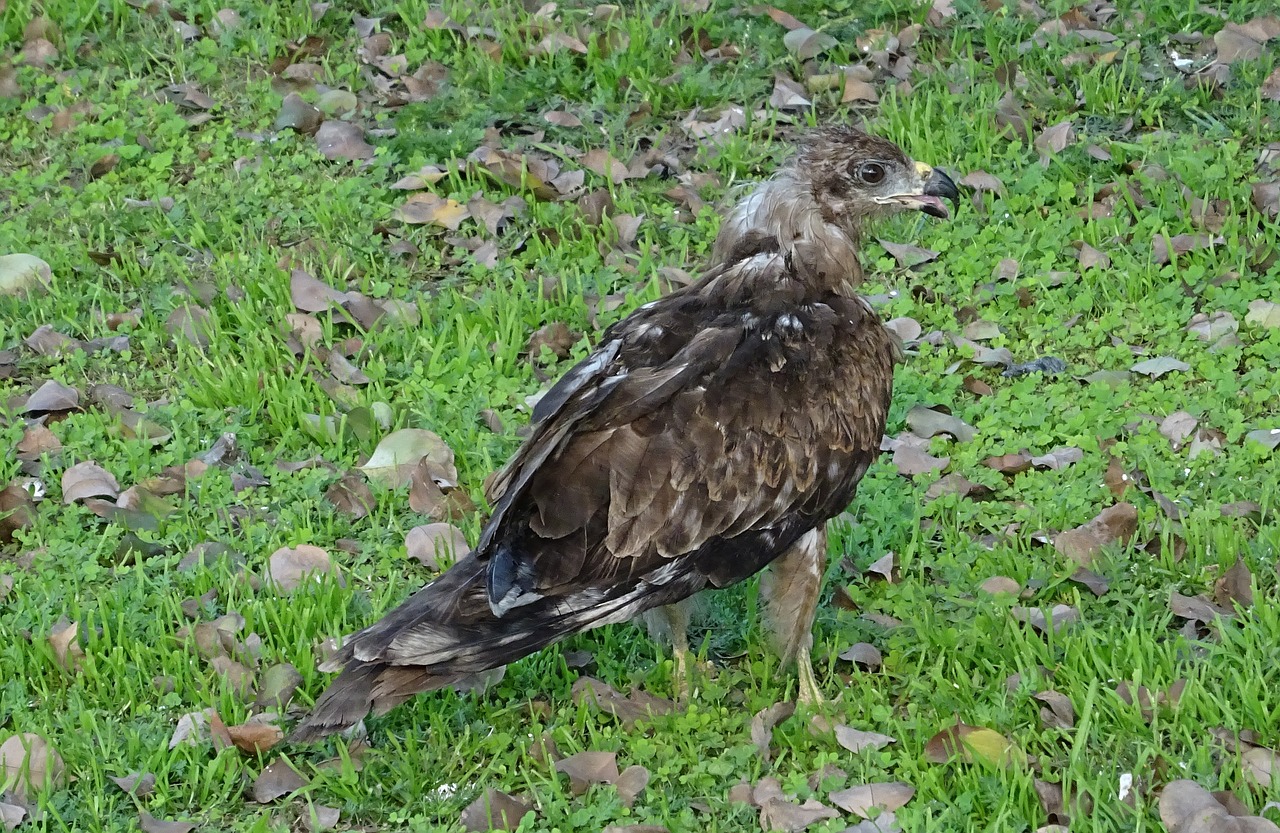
(810, 694)
(673, 622)
(790, 591)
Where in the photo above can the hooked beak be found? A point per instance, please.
(935, 186)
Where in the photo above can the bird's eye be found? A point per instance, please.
(870, 172)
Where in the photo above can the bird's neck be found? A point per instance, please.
(784, 208)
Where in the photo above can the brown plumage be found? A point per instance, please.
(710, 434)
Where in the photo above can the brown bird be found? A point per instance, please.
(711, 433)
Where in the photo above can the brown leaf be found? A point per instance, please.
(1060, 617)
(602, 163)
(1187, 807)
(560, 118)
(193, 324)
(1115, 524)
(973, 743)
(191, 729)
(66, 645)
(639, 706)
(1196, 608)
(1260, 766)
(1000, 584)
(17, 511)
(587, 768)
(1177, 427)
(52, 396)
(907, 255)
(317, 818)
(779, 814)
(351, 496)
(1164, 248)
(1263, 313)
(762, 726)
(30, 764)
(431, 209)
(1091, 258)
(137, 784)
(292, 567)
(864, 654)
(1058, 458)
(277, 779)
(1234, 586)
(788, 94)
(342, 140)
(297, 114)
(856, 740)
(885, 795)
(630, 783)
(436, 544)
(955, 484)
(929, 422)
(1157, 367)
(1055, 139)
(150, 824)
(556, 337)
(1060, 714)
(805, 43)
(88, 479)
(398, 455)
(911, 461)
(255, 738)
(1009, 463)
(494, 810)
(276, 687)
(1096, 583)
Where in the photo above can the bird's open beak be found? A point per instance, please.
(935, 186)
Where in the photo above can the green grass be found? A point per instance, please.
(249, 204)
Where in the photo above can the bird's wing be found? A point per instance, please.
(694, 423)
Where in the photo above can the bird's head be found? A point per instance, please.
(855, 176)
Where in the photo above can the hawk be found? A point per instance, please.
(710, 434)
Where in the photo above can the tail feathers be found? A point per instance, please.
(360, 689)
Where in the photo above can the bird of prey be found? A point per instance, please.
(710, 434)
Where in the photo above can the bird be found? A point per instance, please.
(709, 435)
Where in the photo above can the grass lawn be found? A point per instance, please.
(311, 227)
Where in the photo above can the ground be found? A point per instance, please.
(218, 250)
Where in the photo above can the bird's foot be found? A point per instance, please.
(810, 694)
(688, 669)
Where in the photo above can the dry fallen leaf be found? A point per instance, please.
(587, 768)
(1115, 524)
(431, 209)
(929, 422)
(1157, 367)
(1060, 616)
(973, 743)
(277, 779)
(30, 764)
(494, 810)
(856, 740)
(885, 795)
(254, 738)
(66, 646)
(397, 455)
(86, 480)
(137, 784)
(22, 274)
(342, 140)
(434, 545)
(1187, 807)
(907, 255)
(762, 726)
(292, 567)
(150, 824)
(1263, 314)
